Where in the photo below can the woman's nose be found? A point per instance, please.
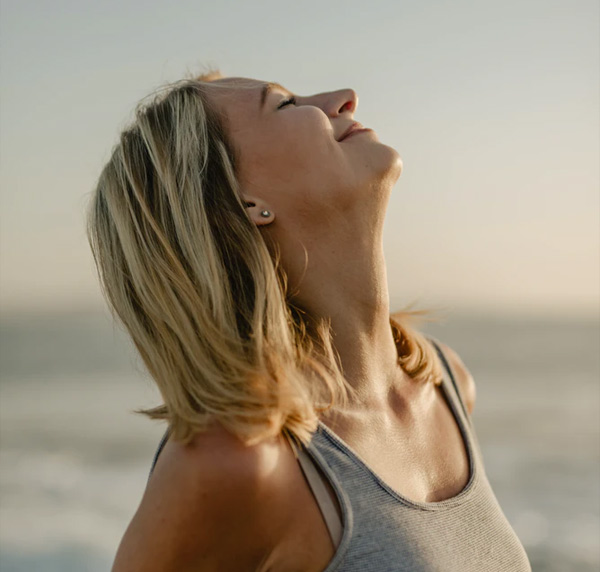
(334, 103)
(349, 99)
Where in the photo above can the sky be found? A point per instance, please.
(494, 107)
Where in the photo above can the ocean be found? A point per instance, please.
(74, 459)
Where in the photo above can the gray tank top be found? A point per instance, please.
(383, 531)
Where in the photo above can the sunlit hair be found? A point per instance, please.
(200, 291)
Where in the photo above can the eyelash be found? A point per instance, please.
(291, 100)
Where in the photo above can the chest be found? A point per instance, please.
(423, 460)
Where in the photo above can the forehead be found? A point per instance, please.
(240, 93)
(239, 82)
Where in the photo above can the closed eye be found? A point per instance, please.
(291, 100)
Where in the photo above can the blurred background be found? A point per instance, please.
(495, 109)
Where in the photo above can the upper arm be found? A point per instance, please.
(212, 506)
(464, 379)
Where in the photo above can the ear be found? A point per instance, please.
(257, 209)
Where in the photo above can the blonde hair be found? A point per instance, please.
(202, 295)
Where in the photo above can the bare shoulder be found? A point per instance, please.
(464, 379)
(213, 504)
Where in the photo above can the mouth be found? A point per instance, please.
(355, 127)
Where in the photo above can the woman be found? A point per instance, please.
(237, 230)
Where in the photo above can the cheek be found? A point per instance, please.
(296, 163)
(296, 148)
(308, 151)
(300, 138)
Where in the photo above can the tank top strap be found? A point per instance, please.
(450, 374)
(161, 445)
(322, 497)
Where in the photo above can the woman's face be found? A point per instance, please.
(291, 160)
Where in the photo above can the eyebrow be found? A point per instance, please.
(267, 89)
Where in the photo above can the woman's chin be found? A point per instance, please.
(389, 162)
(399, 165)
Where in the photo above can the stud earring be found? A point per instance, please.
(266, 214)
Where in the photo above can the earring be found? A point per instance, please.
(266, 214)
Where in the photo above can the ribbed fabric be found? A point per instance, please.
(386, 532)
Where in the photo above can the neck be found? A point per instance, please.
(352, 292)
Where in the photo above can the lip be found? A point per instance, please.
(363, 130)
(356, 126)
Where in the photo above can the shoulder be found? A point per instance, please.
(212, 504)
(464, 379)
